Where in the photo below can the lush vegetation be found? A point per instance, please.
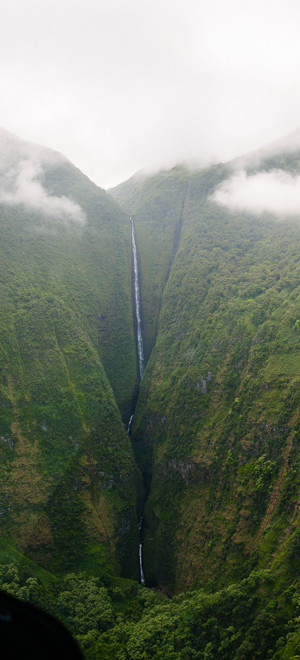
(216, 429)
(118, 618)
(215, 433)
(216, 426)
(68, 375)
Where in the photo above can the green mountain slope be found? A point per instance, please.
(67, 359)
(216, 427)
(215, 432)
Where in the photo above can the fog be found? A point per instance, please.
(275, 192)
(120, 86)
(21, 171)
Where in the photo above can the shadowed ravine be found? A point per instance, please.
(139, 335)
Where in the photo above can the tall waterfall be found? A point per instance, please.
(141, 359)
(137, 300)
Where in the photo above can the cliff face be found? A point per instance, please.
(216, 428)
(68, 366)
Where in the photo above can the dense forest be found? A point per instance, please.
(211, 463)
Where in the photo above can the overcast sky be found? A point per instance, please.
(119, 85)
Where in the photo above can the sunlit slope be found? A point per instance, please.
(217, 420)
(68, 366)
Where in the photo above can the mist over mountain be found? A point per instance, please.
(65, 302)
(203, 491)
(22, 165)
(265, 181)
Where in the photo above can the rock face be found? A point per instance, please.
(216, 425)
(67, 491)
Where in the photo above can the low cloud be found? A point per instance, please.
(275, 192)
(22, 166)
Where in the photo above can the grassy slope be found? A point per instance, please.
(217, 417)
(67, 355)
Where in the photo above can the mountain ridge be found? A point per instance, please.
(66, 336)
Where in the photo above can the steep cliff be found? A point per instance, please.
(68, 365)
(212, 461)
(216, 428)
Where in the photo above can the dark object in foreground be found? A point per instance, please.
(26, 631)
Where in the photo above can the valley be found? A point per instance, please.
(213, 400)
(149, 412)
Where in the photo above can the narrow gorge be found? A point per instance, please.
(149, 416)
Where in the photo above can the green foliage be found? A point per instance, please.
(249, 619)
(215, 432)
(222, 380)
(67, 376)
(237, 622)
(84, 606)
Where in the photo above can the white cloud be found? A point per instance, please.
(275, 192)
(117, 86)
(21, 168)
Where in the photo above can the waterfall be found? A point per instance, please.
(129, 424)
(137, 301)
(141, 360)
(142, 576)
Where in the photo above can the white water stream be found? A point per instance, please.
(141, 360)
(129, 424)
(142, 576)
(137, 300)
